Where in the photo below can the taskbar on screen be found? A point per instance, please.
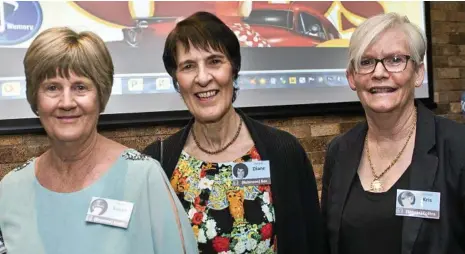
(127, 84)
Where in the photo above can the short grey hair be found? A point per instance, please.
(370, 30)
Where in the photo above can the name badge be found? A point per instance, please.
(421, 204)
(109, 212)
(251, 173)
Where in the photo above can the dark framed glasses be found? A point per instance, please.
(392, 64)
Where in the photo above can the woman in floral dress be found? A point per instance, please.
(275, 206)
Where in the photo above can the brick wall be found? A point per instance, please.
(448, 38)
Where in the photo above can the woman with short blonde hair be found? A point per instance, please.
(402, 149)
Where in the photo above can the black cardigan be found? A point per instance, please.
(299, 226)
(438, 164)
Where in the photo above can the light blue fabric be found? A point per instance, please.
(35, 220)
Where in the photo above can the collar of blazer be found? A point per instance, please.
(423, 170)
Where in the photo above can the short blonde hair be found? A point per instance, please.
(369, 31)
(59, 51)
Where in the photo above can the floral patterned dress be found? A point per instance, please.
(226, 219)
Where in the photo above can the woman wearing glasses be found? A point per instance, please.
(401, 148)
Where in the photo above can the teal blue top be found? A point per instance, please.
(36, 220)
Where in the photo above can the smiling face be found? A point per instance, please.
(205, 82)
(382, 91)
(68, 108)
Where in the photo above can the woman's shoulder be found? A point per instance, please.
(450, 129)
(444, 129)
(142, 164)
(19, 175)
(144, 168)
(133, 155)
(451, 135)
(137, 160)
(268, 133)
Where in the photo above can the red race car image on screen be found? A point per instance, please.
(256, 24)
(144, 23)
(260, 24)
(295, 24)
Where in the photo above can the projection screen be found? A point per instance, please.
(293, 52)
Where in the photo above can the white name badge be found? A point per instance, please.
(421, 204)
(251, 173)
(109, 212)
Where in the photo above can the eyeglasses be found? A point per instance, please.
(393, 64)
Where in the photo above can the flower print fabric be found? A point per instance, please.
(225, 219)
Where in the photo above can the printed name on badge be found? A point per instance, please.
(421, 204)
(109, 212)
(251, 173)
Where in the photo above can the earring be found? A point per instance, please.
(235, 84)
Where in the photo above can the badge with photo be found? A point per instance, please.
(251, 173)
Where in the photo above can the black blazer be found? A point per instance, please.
(438, 165)
(299, 226)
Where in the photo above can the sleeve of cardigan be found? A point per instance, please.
(153, 150)
(310, 202)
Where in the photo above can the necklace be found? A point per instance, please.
(376, 184)
(221, 149)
